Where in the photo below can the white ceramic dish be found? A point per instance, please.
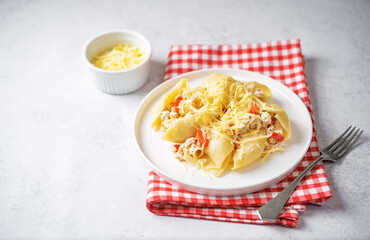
(158, 153)
(124, 81)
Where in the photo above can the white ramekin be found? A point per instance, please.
(124, 81)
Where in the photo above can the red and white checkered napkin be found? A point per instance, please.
(281, 60)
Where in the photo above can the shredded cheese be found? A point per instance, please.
(121, 57)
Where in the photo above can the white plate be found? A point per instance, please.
(158, 153)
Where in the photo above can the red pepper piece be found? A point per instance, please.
(277, 136)
(175, 106)
(177, 146)
(254, 108)
(202, 138)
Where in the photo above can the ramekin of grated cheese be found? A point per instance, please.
(119, 60)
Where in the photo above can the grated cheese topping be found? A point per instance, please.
(121, 57)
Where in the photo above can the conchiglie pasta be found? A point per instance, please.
(218, 171)
(261, 91)
(181, 129)
(222, 125)
(270, 107)
(218, 150)
(204, 117)
(282, 117)
(217, 82)
(217, 86)
(191, 158)
(248, 153)
(166, 101)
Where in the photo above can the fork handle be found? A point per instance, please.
(272, 209)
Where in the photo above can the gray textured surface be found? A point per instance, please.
(68, 166)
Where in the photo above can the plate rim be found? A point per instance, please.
(216, 190)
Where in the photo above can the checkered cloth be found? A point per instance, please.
(280, 60)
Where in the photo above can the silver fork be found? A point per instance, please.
(333, 153)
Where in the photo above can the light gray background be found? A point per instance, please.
(68, 165)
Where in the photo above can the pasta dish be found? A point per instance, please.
(222, 124)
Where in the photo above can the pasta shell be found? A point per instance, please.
(215, 80)
(181, 129)
(282, 117)
(204, 117)
(217, 172)
(248, 153)
(217, 85)
(166, 100)
(190, 159)
(218, 150)
(255, 86)
(270, 107)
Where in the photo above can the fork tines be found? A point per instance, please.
(345, 141)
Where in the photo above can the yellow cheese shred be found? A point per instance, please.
(121, 57)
